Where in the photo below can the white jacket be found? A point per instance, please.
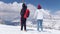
(39, 14)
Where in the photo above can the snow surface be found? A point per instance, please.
(6, 29)
(7, 11)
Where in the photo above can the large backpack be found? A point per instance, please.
(26, 15)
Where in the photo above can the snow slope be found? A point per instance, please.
(5, 29)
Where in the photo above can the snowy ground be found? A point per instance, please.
(5, 29)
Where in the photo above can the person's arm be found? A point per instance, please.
(47, 13)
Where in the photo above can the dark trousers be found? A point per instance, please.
(23, 23)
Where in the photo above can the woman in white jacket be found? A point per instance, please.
(39, 16)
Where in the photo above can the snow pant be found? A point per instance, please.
(39, 24)
(23, 23)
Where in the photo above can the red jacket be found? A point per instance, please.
(26, 15)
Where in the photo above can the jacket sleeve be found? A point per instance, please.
(45, 12)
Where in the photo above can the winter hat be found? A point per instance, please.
(23, 5)
(39, 7)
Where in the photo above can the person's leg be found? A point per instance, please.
(25, 24)
(37, 25)
(21, 23)
(41, 21)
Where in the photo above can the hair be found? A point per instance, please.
(23, 5)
